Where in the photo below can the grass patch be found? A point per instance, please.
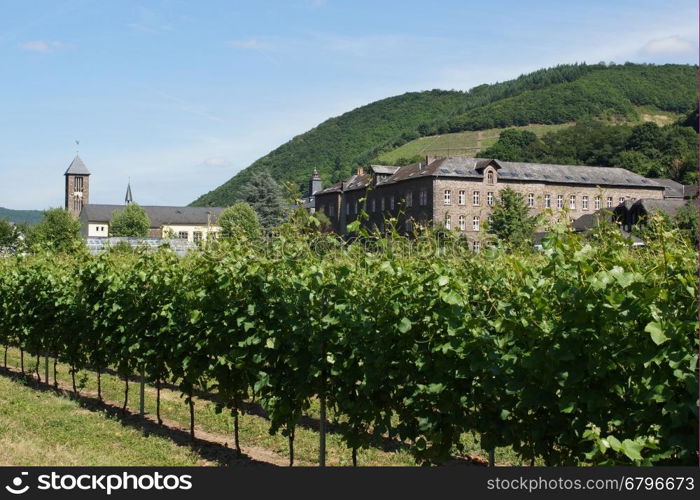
(256, 441)
(43, 428)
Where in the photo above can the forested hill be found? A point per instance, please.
(555, 95)
(20, 216)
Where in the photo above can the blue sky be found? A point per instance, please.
(180, 95)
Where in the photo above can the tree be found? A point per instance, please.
(9, 237)
(511, 221)
(265, 196)
(132, 221)
(240, 219)
(57, 231)
(635, 161)
(515, 145)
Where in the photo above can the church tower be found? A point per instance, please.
(77, 186)
(315, 183)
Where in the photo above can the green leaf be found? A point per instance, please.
(632, 450)
(195, 314)
(614, 443)
(657, 333)
(405, 325)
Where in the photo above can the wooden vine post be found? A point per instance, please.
(142, 394)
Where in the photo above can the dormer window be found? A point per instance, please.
(490, 177)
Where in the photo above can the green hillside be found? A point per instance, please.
(466, 143)
(470, 142)
(551, 96)
(19, 216)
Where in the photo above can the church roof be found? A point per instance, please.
(77, 167)
(159, 216)
(128, 198)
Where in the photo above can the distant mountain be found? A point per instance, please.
(19, 216)
(549, 96)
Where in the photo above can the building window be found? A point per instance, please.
(197, 236)
(462, 223)
(548, 201)
(475, 223)
(409, 199)
(392, 203)
(331, 210)
(596, 202)
(183, 235)
(79, 184)
(572, 202)
(347, 208)
(423, 198)
(608, 202)
(448, 197)
(409, 225)
(383, 204)
(489, 198)
(584, 203)
(448, 221)
(489, 177)
(357, 207)
(622, 199)
(374, 205)
(531, 200)
(462, 197)
(476, 246)
(560, 201)
(476, 198)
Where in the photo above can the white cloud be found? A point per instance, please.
(669, 45)
(217, 161)
(44, 46)
(250, 44)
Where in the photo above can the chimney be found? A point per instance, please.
(360, 171)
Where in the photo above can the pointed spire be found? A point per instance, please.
(315, 183)
(77, 167)
(128, 198)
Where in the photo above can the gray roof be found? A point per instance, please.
(459, 166)
(77, 167)
(159, 216)
(464, 167)
(589, 221)
(669, 207)
(384, 169)
(672, 189)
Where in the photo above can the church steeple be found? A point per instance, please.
(128, 198)
(315, 183)
(77, 186)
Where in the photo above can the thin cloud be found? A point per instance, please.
(44, 46)
(668, 45)
(315, 4)
(149, 21)
(189, 107)
(250, 44)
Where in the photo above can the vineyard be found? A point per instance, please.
(584, 353)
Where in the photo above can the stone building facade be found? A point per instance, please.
(459, 192)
